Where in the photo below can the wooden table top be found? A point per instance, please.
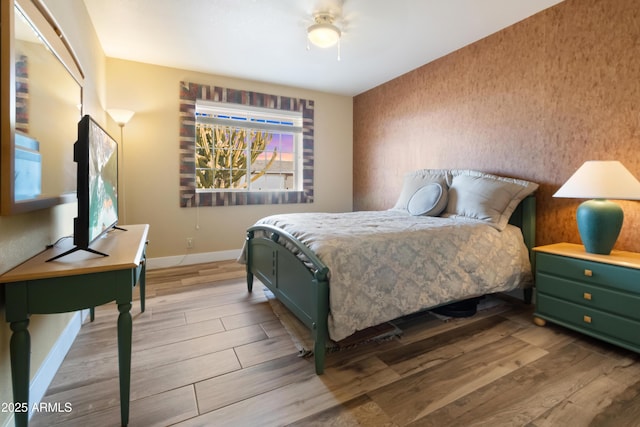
(125, 250)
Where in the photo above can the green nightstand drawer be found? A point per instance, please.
(609, 327)
(597, 297)
(616, 277)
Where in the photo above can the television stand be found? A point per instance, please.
(87, 249)
(75, 249)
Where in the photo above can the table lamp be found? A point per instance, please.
(600, 220)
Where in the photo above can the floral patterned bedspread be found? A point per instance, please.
(387, 264)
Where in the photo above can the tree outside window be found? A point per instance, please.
(229, 157)
(246, 149)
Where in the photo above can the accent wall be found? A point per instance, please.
(533, 101)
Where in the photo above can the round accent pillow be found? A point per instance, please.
(429, 200)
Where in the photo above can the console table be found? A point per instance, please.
(77, 281)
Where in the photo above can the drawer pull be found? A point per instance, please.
(587, 296)
(588, 273)
(587, 319)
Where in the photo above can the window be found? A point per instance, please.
(244, 148)
(265, 153)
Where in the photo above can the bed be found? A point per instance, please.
(452, 235)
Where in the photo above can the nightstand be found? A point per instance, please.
(598, 295)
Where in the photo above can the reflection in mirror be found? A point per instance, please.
(47, 110)
(48, 106)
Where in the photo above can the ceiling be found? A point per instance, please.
(265, 40)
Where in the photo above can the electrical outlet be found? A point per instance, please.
(189, 242)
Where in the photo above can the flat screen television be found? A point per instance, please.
(96, 154)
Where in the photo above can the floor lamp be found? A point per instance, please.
(121, 117)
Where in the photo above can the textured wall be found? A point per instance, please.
(533, 101)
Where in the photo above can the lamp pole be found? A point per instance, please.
(121, 117)
(124, 210)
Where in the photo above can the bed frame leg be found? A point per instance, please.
(249, 282)
(319, 351)
(528, 295)
(249, 261)
(320, 327)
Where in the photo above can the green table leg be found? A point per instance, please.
(143, 277)
(142, 285)
(124, 359)
(20, 349)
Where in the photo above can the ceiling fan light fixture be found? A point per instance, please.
(323, 33)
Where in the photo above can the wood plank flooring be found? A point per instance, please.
(207, 353)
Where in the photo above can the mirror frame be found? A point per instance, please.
(37, 13)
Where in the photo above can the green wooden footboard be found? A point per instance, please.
(303, 286)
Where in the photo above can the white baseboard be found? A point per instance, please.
(41, 381)
(52, 362)
(189, 259)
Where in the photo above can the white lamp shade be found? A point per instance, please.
(323, 35)
(601, 179)
(120, 116)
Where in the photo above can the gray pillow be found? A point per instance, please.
(484, 197)
(413, 181)
(429, 200)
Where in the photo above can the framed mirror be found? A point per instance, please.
(41, 89)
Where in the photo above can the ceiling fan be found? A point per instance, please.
(324, 32)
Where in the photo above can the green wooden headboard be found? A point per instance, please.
(524, 217)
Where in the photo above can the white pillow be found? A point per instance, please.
(413, 181)
(429, 200)
(485, 197)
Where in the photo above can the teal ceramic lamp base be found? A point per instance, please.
(599, 224)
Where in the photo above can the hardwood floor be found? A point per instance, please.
(207, 353)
